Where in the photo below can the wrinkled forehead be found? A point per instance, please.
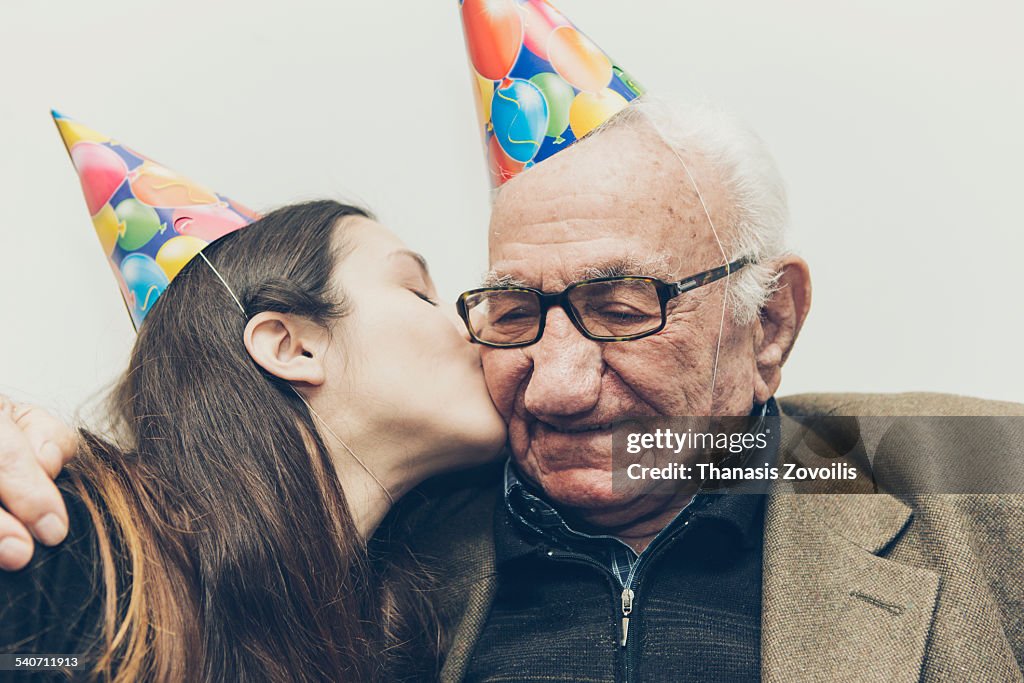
(620, 203)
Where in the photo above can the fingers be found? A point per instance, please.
(54, 442)
(16, 544)
(26, 489)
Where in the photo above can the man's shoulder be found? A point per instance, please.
(451, 495)
(902, 404)
(909, 443)
(450, 519)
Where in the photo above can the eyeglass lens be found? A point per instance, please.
(611, 309)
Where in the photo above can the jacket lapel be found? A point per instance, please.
(478, 597)
(465, 531)
(833, 609)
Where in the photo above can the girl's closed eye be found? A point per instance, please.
(423, 296)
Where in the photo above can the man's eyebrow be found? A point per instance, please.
(415, 256)
(631, 266)
(656, 266)
(495, 279)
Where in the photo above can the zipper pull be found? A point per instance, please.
(627, 609)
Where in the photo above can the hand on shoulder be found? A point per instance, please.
(34, 447)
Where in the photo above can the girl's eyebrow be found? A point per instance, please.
(417, 257)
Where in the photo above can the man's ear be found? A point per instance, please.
(781, 319)
(288, 347)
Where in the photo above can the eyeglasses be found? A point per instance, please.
(606, 309)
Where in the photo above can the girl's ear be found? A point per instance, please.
(288, 347)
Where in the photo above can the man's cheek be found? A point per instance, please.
(504, 371)
(649, 366)
(519, 440)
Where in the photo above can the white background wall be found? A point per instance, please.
(898, 126)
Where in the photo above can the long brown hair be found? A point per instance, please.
(220, 503)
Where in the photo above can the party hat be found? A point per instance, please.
(541, 83)
(150, 220)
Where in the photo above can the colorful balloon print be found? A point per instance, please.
(146, 281)
(485, 93)
(494, 34)
(578, 60)
(176, 253)
(74, 132)
(559, 96)
(141, 224)
(245, 211)
(157, 186)
(631, 83)
(108, 228)
(101, 171)
(577, 83)
(150, 226)
(207, 223)
(540, 21)
(519, 114)
(590, 110)
(502, 166)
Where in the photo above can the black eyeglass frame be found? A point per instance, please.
(666, 292)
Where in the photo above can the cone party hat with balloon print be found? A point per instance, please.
(150, 220)
(541, 83)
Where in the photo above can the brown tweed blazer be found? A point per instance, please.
(856, 587)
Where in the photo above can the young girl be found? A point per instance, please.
(290, 384)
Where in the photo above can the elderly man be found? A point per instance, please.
(573, 578)
(550, 572)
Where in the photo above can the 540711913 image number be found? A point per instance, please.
(19, 662)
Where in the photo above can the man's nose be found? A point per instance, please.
(567, 369)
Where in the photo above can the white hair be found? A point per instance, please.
(758, 213)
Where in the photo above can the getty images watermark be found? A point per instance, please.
(820, 454)
(733, 444)
(722, 450)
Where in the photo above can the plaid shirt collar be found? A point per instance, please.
(526, 510)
